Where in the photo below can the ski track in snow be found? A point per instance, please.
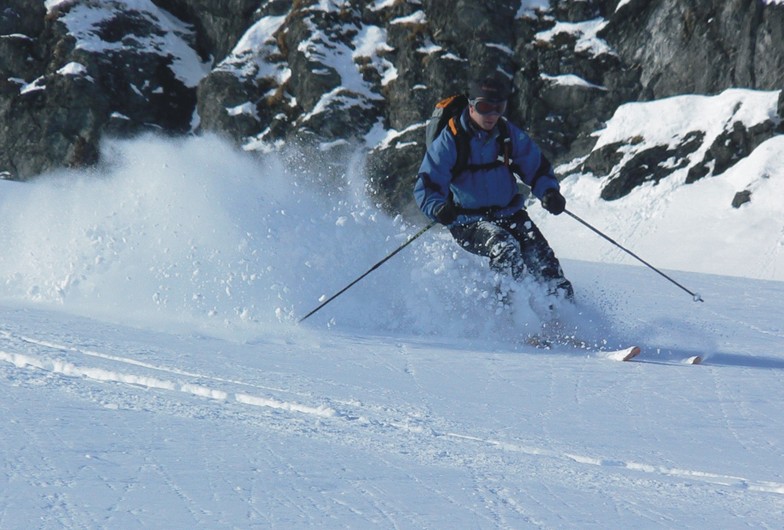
(188, 382)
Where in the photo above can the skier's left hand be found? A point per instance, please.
(553, 201)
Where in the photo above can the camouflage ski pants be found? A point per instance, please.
(515, 246)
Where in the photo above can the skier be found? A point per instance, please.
(475, 193)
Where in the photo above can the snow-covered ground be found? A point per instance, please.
(152, 373)
(107, 426)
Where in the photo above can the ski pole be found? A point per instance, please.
(694, 296)
(374, 267)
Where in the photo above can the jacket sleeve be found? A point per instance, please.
(435, 173)
(529, 162)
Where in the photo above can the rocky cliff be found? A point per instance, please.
(333, 76)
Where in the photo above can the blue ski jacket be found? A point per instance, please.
(485, 189)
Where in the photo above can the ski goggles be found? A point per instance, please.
(485, 107)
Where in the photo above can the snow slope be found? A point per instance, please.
(152, 374)
(108, 426)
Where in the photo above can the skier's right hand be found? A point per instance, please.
(446, 213)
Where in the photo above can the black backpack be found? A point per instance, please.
(447, 114)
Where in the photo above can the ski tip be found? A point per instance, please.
(626, 354)
(696, 359)
(631, 353)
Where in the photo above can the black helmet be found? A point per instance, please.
(492, 88)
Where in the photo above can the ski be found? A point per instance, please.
(630, 353)
(547, 343)
(694, 359)
(626, 354)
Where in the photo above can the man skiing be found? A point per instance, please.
(475, 194)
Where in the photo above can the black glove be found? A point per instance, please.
(446, 213)
(553, 201)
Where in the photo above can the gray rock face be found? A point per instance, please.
(741, 198)
(700, 47)
(331, 77)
